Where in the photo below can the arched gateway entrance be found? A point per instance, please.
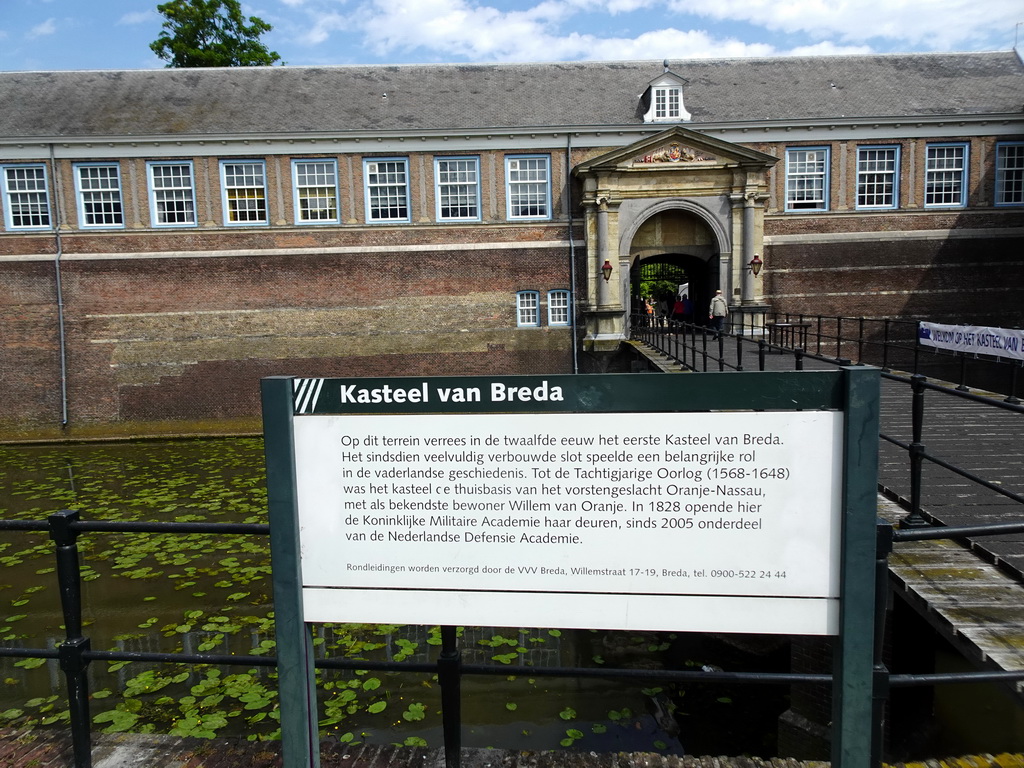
(679, 202)
(666, 277)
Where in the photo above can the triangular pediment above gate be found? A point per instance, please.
(676, 148)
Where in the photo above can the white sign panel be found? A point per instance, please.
(722, 522)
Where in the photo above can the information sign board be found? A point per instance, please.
(723, 522)
(738, 502)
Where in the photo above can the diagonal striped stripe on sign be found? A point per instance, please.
(307, 392)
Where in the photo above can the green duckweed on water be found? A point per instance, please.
(197, 593)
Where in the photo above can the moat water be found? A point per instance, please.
(206, 593)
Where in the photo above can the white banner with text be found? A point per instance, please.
(974, 339)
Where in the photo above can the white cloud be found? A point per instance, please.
(828, 48)
(932, 24)
(42, 29)
(454, 27)
(136, 17)
(675, 44)
(553, 30)
(323, 25)
(626, 6)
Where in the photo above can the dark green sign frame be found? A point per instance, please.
(853, 390)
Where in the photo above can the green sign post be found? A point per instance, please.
(738, 502)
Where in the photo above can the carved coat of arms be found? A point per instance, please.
(673, 153)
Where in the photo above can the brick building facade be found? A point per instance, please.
(168, 237)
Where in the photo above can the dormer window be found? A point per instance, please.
(666, 103)
(664, 100)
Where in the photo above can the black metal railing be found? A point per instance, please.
(700, 348)
(825, 343)
(75, 653)
(918, 454)
(889, 344)
(695, 346)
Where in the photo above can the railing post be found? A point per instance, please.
(1012, 399)
(885, 345)
(917, 352)
(760, 354)
(962, 386)
(682, 341)
(916, 451)
(449, 675)
(798, 359)
(739, 353)
(720, 336)
(71, 652)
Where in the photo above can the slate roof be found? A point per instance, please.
(351, 100)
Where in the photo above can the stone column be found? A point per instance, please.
(604, 252)
(748, 251)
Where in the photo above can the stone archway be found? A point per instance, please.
(682, 234)
(658, 199)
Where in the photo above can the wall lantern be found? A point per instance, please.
(606, 270)
(755, 265)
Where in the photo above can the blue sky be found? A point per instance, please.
(115, 34)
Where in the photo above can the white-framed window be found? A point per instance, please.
(315, 184)
(666, 102)
(528, 186)
(172, 195)
(945, 175)
(457, 192)
(528, 309)
(558, 307)
(26, 196)
(807, 178)
(878, 170)
(387, 189)
(1010, 173)
(98, 188)
(244, 189)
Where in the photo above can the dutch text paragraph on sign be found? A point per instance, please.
(739, 503)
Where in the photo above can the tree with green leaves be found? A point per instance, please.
(211, 33)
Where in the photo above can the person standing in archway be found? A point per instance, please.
(719, 311)
(688, 310)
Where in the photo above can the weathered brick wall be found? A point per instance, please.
(29, 344)
(962, 281)
(188, 338)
